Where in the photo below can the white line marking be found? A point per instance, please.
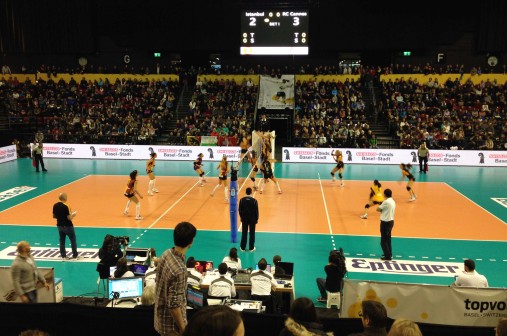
(31, 199)
(325, 205)
(452, 258)
(425, 257)
(504, 223)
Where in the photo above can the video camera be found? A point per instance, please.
(121, 240)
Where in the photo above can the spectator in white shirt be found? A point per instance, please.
(194, 277)
(470, 277)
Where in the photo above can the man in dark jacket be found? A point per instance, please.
(249, 214)
(374, 318)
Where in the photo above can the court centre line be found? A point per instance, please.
(327, 212)
(47, 192)
(174, 204)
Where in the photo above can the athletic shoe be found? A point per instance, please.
(66, 258)
(201, 185)
(411, 199)
(139, 218)
(150, 193)
(386, 259)
(321, 299)
(44, 170)
(342, 185)
(255, 188)
(364, 216)
(242, 250)
(126, 213)
(253, 249)
(279, 191)
(154, 190)
(260, 192)
(212, 194)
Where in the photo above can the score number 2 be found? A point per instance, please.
(253, 21)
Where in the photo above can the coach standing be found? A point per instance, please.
(64, 216)
(423, 153)
(249, 214)
(386, 210)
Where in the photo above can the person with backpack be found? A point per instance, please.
(335, 271)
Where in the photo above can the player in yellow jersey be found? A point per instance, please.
(131, 193)
(337, 156)
(376, 197)
(150, 167)
(405, 172)
(224, 169)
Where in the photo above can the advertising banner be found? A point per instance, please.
(445, 305)
(138, 152)
(8, 153)
(475, 158)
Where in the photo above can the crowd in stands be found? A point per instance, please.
(450, 115)
(455, 114)
(126, 111)
(219, 108)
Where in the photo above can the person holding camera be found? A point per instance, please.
(109, 254)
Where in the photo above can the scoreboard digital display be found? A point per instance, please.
(274, 32)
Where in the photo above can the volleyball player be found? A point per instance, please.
(130, 193)
(246, 147)
(150, 167)
(405, 171)
(267, 173)
(255, 168)
(337, 156)
(224, 169)
(198, 169)
(376, 197)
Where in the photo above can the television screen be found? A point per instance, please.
(268, 268)
(126, 287)
(203, 266)
(195, 298)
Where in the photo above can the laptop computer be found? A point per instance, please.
(139, 270)
(242, 279)
(284, 270)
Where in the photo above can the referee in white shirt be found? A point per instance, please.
(386, 210)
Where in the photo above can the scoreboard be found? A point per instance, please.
(274, 32)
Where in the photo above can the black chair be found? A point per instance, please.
(267, 301)
(103, 270)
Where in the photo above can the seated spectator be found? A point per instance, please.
(335, 271)
(470, 277)
(501, 327)
(150, 276)
(374, 318)
(215, 320)
(194, 277)
(122, 270)
(302, 320)
(402, 327)
(263, 283)
(223, 286)
(276, 259)
(232, 260)
(148, 298)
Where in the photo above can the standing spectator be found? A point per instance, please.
(249, 214)
(386, 210)
(423, 153)
(170, 317)
(215, 320)
(25, 274)
(302, 319)
(470, 277)
(403, 327)
(374, 318)
(64, 217)
(37, 153)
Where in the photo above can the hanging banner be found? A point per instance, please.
(276, 93)
(446, 305)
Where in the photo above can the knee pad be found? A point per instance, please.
(366, 206)
(332, 174)
(340, 175)
(201, 175)
(408, 188)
